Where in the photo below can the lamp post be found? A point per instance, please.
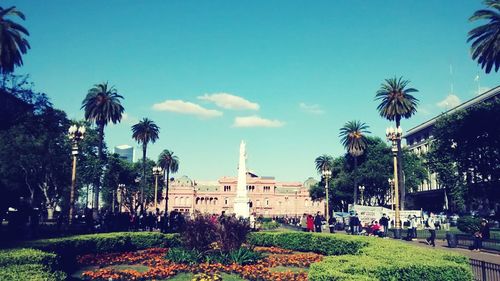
(119, 195)
(394, 135)
(327, 173)
(391, 184)
(157, 171)
(362, 190)
(75, 134)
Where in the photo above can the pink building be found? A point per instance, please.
(268, 197)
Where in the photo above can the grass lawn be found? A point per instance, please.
(77, 275)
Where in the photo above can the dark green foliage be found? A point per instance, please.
(13, 42)
(270, 225)
(27, 256)
(469, 224)
(465, 154)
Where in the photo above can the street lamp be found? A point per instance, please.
(75, 135)
(157, 171)
(327, 173)
(362, 190)
(391, 184)
(394, 135)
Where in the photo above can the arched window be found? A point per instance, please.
(226, 201)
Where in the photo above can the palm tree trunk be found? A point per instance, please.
(97, 186)
(401, 182)
(167, 181)
(355, 193)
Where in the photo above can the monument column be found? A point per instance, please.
(241, 207)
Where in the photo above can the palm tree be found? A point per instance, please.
(13, 42)
(396, 102)
(170, 164)
(144, 132)
(323, 162)
(102, 105)
(486, 38)
(353, 137)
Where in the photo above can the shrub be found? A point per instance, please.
(244, 256)
(184, 256)
(30, 272)
(366, 258)
(226, 234)
(301, 241)
(469, 224)
(28, 256)
(270, 225)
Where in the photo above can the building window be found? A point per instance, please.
(225, 200)
(267, 188)
(267, 202)
(227, 188)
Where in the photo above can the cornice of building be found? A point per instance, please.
(484, 96)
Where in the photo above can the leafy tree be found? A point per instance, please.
(396, 102)
(144, 132)
(170, 164)
(353, 138)
(465, 154)
(102, 105)
(485, 38)
(13, 42)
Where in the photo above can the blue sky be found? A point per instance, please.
(295, 71)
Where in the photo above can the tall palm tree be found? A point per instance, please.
(396, 102)
(13, 42)
(170, 164)
(102, 105)
(486, 38)
(353, 138)
(144, 132)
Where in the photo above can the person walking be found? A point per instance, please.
(483, 233)
(317, 222)
(332, 221)
(384, 222)
(354, 224)
(303, 222)
(430, 225)
(310, 223)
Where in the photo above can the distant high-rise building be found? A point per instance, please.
(125, 151)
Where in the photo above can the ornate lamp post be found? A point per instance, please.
(327, 173)
(391, 184)
(362, 190)
(394, 135)
(75, 134)
(119, 196)
(157, 171)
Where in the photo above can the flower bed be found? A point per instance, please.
(161, 268)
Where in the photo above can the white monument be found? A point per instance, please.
(241, 206)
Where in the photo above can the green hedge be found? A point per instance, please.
(106, 242)
(30, 272)
(29, 264)
(369, 258)
(325, 244)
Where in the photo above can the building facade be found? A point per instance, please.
(431, 195)
(268, 197)
(126, 152)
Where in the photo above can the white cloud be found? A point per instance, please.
(449, 102)
(129, 119)
(185, 107)
(256, 121)
(481, 90)
(311, 108)
(228, 101)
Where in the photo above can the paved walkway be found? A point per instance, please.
(443, 245)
